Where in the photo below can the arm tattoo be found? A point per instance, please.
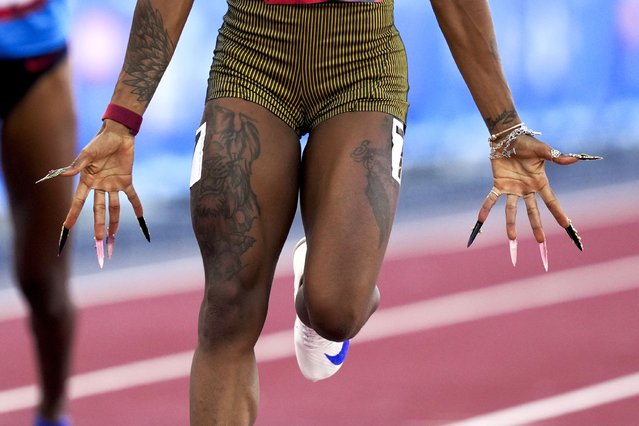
(381, 188)
(504, 118)
(148, 53)
(224, 205)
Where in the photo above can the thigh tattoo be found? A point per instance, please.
(382, 181)
(224, 205)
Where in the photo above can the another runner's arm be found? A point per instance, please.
(468, 29)
(156, 28)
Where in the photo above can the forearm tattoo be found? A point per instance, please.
(224, 205)
(381, 188)
(148, 53)
(504, 118)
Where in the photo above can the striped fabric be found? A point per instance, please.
(318, 1)
(309, 63)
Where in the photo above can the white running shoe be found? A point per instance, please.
(317, 357)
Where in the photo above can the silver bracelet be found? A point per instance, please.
(504, 148)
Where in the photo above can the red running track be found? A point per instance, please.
(460, 334)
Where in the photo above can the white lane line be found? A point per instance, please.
(541, 290)
(125, 284)
(176, 366)
(566, 403)
(547, 289)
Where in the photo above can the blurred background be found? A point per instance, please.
(572, 66)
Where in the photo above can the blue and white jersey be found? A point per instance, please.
(32, 27)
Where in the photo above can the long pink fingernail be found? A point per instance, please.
(513, 252)
(543, 250)
(110, 246)
(99, 249)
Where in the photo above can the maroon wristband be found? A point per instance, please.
(129, 119)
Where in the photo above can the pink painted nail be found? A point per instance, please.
(99, 249)
(110, 245)
(543, 250)
(513, 252)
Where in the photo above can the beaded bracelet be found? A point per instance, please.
(129, 119)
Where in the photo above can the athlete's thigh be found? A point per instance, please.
(244, 200)
(350, 189)
(39, 135)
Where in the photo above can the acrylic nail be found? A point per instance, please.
(54, 173)
(99, 249)
(543, 250)
(110, 246)
(474, 233)
(584, 157)
(574, 235)
(145, 230)
(64, 233)
(513, 252)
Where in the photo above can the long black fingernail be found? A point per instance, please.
(64, 233)
(145, 230)
(474, 233)
(574, 236)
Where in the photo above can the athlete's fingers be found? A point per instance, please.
(511, 228)
(555, 209)
(99, 214)
(114, 213)
(511, 216)
(134, 200)
(138, 210)
(534, 217)
(488, 204)
(535, 223)
(79, 198)
(114, 221)
(99, 218)
(64, 171)
(559, 157)
(71, 170)
(551, 201)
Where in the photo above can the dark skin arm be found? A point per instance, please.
(468, 29)
(106, 163)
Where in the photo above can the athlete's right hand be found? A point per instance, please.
(105, 166)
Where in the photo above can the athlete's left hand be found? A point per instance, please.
(523, 175)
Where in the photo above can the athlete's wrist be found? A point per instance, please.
(113, 126)
(124, 116)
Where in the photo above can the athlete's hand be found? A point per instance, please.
(522, 175)
(105, 166)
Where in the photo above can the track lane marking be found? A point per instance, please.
(566, 403)
(544, 290)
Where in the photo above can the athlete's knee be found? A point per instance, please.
(341, 318)
(231, 314)
(48, 299)
(335, 322)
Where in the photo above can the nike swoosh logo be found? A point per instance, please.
(338, 359)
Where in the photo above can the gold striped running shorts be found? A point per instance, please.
(308, 63)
